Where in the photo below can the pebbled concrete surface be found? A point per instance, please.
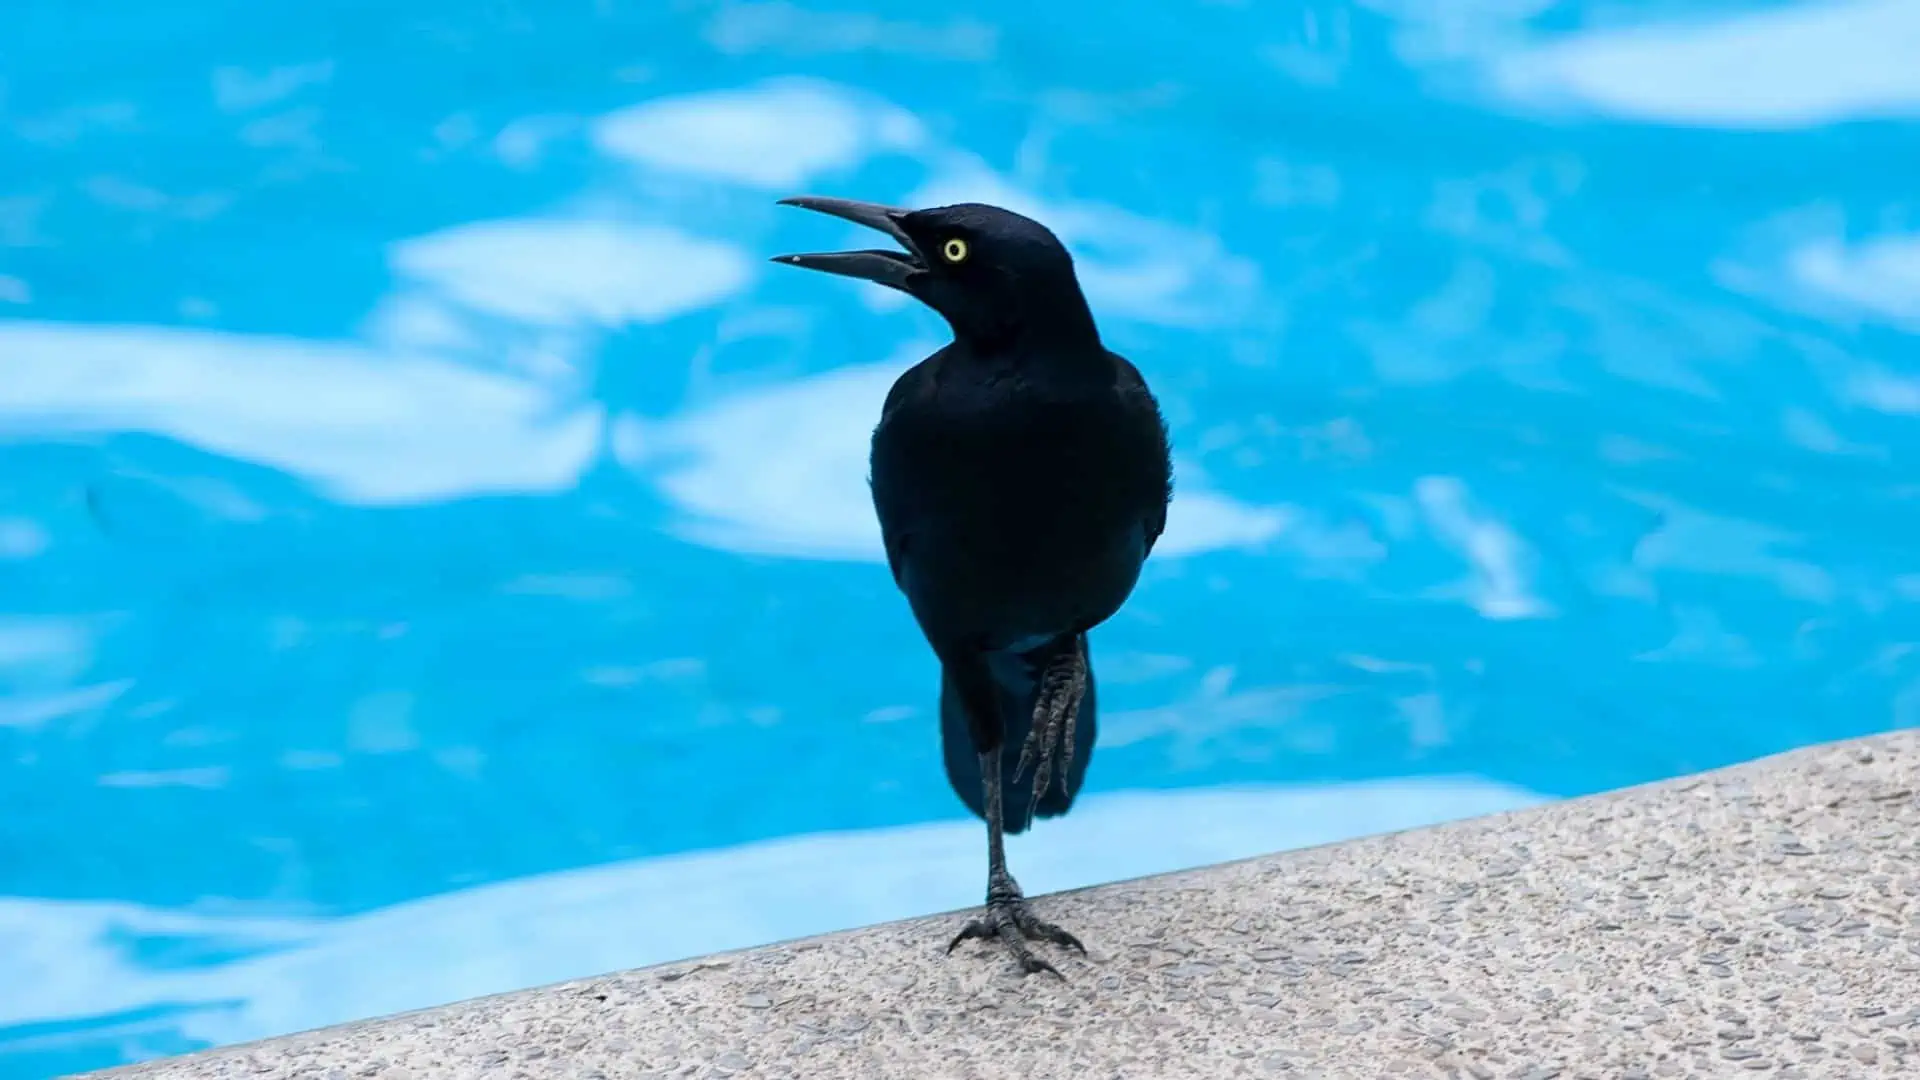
(1759, 921)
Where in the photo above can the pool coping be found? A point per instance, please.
(1757, 920)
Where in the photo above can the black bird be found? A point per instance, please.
(1021, 475)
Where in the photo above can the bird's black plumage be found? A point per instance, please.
(1021, 476)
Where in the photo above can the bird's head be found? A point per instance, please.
(993, 274)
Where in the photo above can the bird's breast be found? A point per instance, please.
(1013, 512)
(1027, 482)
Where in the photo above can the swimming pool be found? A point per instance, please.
(432, 537)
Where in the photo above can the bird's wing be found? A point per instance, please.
(895, 540)
(892, 500)
(1133, 386)
(1156, 524)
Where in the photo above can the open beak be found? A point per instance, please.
(890, 268)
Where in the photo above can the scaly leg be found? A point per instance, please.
(1007, 917)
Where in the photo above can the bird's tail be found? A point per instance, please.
(1017, 680)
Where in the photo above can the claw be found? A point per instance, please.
(1030, 748)
(978, 928)
(1059, 936)
(1013, 925)
(1033, 965)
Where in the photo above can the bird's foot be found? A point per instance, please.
(1062, 685)
(1009, 920)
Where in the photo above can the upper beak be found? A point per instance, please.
(890, 268)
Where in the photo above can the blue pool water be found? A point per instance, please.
(433, 539)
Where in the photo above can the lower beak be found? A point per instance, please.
(890, 268)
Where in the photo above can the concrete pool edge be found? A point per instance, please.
(1760, 919)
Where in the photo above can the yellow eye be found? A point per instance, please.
(954, 250)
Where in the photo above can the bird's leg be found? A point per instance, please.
(1062, 684)
(1007, 917)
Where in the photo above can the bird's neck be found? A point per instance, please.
(1057, 325)
(1049, 369)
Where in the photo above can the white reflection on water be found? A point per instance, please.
(65, 961)
(1690, 540)
(238, 90)
(369, 427)
(42, 660)
(776, 135)
(1500, 580)
(1812, 259)
(562, 272)
(22, 538)
(1777, 67)
(1879, 277)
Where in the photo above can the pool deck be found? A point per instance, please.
(1762, 920)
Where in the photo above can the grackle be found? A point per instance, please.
(1021, 475)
